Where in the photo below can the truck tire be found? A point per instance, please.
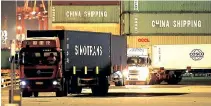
(65, 87)
(102, 88)
(119, 83)
(36, 94)
(59, 93)
(63, 91)
(74, 88)
(152, 80)
(175, 79)
(25, 93)
(172, 81)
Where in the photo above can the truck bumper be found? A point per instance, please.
(134, 82)
(41, 86)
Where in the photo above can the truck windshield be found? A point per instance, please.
(40, 56)
(140, 61)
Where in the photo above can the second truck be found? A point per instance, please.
(66, 61)
(169, 62)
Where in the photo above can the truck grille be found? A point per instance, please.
(133, 78)
(133, 72)
(38, 72)
(46, 84)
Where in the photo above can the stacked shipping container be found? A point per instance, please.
(87, 16)
(166, 22)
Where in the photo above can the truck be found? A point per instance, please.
(81, 59)
(169, 62)
(138, 61)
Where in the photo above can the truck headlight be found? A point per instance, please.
(23, 83)
(55, 82)
(2, 80)
(125, 73)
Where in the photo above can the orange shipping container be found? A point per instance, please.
(147, 41)
(96, 27)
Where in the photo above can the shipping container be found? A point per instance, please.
(181, 56)
(143, 41)
(164, 23)
(93, 27)
(5, 54)
(113, 2)
(89, 49)
(165, 6)
(86, 14)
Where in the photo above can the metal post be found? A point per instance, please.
(14, 74)
(49, 14)
(14, 94)
(11, 73)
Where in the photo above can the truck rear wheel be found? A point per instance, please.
(102, 88)
(59, 93)
(63, 91)
(25, 93)
(152, 80)
(65, 87)
(74, 88)
(36, 94)
(175, 78)
(119, 83)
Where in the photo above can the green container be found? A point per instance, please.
(163, 23)
(86, 14)
(5, 54)
(166, 6)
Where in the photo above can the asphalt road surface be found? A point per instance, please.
(169, 95)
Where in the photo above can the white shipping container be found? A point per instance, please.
(197, 56)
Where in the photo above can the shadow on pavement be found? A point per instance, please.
(131, 95)
(115, 95)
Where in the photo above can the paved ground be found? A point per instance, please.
(171, 95)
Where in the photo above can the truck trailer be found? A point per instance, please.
(169, 62)
(80, 59)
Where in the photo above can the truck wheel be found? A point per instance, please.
(59, 93)
(74, 88)
(25, 93)
(152, 80)
(119, 83)
(174, 79)
(64, 90)
(65, 87)
(101, 89)
(36, 94)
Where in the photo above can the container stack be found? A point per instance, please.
(95, 16)
(149, 23)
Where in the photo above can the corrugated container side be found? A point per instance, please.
(145, 41)
(93, 27)
(169, 23)
(118, 50)
(113, 2)
(166, 6)
(86, 14)
(88, 49)
(180, 56)
(5, 54)
(125, 21)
